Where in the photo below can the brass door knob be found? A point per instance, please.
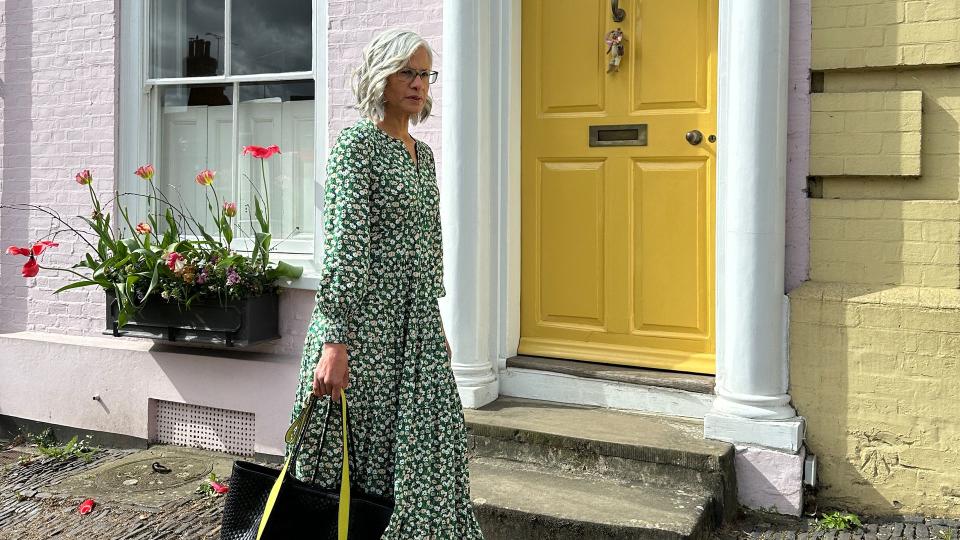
(694, 137)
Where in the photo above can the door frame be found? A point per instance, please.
(481, 150)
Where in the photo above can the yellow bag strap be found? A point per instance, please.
(294, 432)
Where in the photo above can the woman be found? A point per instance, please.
(376, 329)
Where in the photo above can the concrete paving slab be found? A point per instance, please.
(517, 500)
(132, 480)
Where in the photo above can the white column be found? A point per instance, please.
(752, 405)
(468, 203)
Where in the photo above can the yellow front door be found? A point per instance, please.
(618, 234)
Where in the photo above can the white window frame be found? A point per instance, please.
(138, 129)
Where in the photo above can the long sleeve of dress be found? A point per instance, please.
(346, 226)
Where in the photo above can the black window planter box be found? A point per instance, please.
(238, 324)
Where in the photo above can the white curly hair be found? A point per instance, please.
(387, 54)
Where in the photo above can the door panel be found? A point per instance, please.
(568, 22)
(669, 247)
(618, 241)
(673, 53)
(561, 186)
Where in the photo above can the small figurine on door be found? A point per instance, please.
(614, 41)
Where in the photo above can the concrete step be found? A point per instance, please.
(517, 501)
(662, 454)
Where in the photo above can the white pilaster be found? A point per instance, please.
(469, 199)
(752, 405)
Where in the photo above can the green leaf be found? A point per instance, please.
(264, 226)
(76, 285)
(206, 236)
(225, 227)
(286, 270)
(91, 264)
(153, 279)
(68, 448)
(171, 223)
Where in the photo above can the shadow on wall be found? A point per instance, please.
(874, 344)
(16, 95)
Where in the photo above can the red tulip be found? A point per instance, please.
(145, 171)
(261, 152)
(31, 268)
(205, 178)
(84, 177)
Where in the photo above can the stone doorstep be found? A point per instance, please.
(657, 392)
(687, 382)
(661, 454)
(520, 500)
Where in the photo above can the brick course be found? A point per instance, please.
(885, 33)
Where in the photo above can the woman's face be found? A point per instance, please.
(408, 96)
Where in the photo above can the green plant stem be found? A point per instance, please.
(51, 213)
(266, 192)
(86, 278)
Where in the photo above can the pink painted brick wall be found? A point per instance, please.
(797, 263)
(352, 25)
(58, 116)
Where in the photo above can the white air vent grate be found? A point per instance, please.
(223, 430)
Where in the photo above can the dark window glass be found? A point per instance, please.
(271, 36)
(187, 38)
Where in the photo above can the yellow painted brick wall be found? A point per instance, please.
(874, 371)
(885, 242)
(940, 151)
(865, 133)
(884, 33)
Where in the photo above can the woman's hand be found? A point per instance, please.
(332, 372)
(449, 351)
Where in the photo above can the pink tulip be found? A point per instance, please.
(229, 209)
(172, 259)
(205, 177)
(145, 172)
(143, 228)
(84, 177)
(219, 488)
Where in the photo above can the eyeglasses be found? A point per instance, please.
(407, 75)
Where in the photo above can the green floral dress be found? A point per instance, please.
(381, 277)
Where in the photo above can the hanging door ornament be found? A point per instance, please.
(614, 42)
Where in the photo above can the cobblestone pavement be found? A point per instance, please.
(32, 508)
(772, 527)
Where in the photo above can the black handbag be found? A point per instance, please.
(267, 504)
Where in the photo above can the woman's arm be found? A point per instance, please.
(346, 226)
(346, 258)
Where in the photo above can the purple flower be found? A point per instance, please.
(232, 276)
(202, 277)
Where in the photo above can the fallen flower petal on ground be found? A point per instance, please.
(86, 506)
